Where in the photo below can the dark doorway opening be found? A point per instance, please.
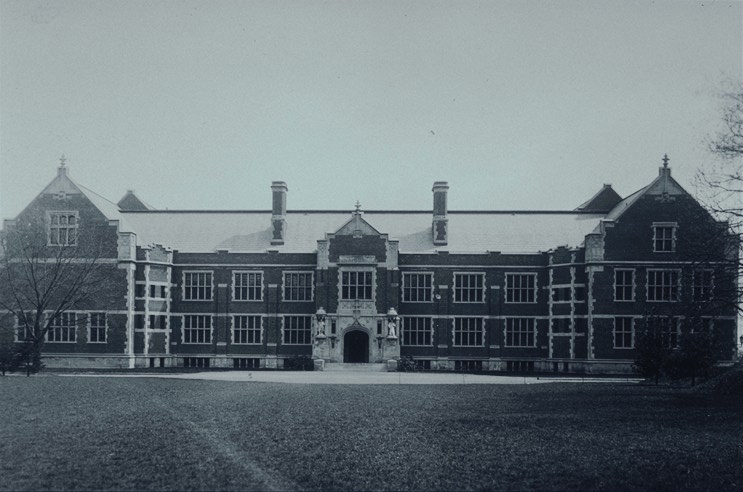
(356, 346)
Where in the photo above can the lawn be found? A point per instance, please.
(75, 433)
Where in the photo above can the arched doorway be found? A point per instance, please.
(356, 346)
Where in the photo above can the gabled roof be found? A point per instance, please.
(130, 201)
(250, 231)
(663, 184)
(357, 226)
(603, 201)
(64, 184)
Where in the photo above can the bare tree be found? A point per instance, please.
(720, 184)
(39, 282)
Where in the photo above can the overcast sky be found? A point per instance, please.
(200, 105)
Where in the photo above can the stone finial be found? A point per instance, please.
(62, 169)
(665, 160)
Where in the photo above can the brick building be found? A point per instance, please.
(490, 290)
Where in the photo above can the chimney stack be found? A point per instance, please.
(440, 233)
(278, 211)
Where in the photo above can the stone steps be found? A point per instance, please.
(355, 367)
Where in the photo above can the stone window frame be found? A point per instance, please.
(247, 329)
(407, 332)
(67, 332)
(668, 244)
(285, 288)
(261, 289)
(356, 269)
(513, 336)
(97, 328)
(703, 287)
(53, 229)
(467, 332)
(672, 285)
(616, 334)
(290, 334)
(420, 292)
(185, 294)
(457, 288)
(632, 286)
(207, 331)
(513, 289)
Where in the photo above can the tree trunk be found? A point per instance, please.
(36, 357)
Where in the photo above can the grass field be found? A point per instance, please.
(76, 433)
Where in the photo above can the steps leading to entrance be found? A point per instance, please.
(354, 366)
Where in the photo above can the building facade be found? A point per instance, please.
(453, 290)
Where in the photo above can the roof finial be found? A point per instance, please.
(62, 161)
(665, 160)
(358, 206)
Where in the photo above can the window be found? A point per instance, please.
(139, 290)
(197, 286)
(63, 328)
(417, 287)
(663, 285)
(468, 332)
(63, 228)
(97, 328)
(416, 331)
(297, 330)
(561, 325)
(624, 332)
(469, 287)
(580, 293)
(521, 287)
(158, 322)
(25, 326)
(562, 294)
(668, 328)
(664, 237)
(520, 332)
(157, 291)
(246, 330)
(297, 286)
(197, 328)
(356, 285)
(248, 286)
(702, 284)
(624, 285)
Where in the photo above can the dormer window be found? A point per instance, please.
(664, 237)
(63, 228)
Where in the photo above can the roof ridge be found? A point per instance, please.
(324, 211)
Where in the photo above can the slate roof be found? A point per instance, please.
(603, 201)
(109, 209)
(250, 231)
(131, 201)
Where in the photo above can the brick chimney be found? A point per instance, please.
(278, 212)
(440, 226)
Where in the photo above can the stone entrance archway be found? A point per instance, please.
(356, 346)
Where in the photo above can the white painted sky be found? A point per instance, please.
(200, 105)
